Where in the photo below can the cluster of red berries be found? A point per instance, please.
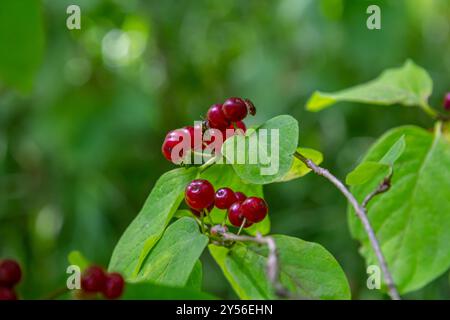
(242, 210)
(225, 118)
(447, 102)
(95, 280)
(10, 275)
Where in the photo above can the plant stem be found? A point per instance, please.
(272, 268)
(429, 110)
(362, 215)
(384, 186)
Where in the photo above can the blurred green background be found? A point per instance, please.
(83, 112)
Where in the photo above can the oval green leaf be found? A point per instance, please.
(412, 219)
(408, 85)
(148, 226)
(264, 155)
(172, 259)
(307, 270)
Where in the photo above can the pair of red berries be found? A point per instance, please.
(10, 275)
(233, 110)
(201, 197)
(95, 280)
(222, 117)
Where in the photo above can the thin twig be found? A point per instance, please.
(272, 268)
(384, 186)
(362, 215)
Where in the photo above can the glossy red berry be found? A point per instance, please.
(447, 102)
(114, 286)
(254, 209)
(236, 217)
(197, 213)
(93, 280)
(240, 196)
(216, 117)
(175, 137)
(224, 198)
(10, 273)
(199, 194)
(235, 109)
(7, 294)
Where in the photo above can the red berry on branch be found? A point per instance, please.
(234, 109)
(254, 209)
(224, 198)
(7, 294)
(175, 137)
(10, 273)
(93, 280)
(240, 196)
(216, 117)
(447, 102)
(199, 194)
(114, 286)
(236, 217)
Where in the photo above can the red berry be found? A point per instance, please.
(254, 209)
(235, 215)
(234, 109)
(210, 138)
(93, 280)
(239, 125)
(224, 198)
(240, 196)
(190, 130)
(10, 273)
(7, 294)
(114, 286)
(199, 194)
(216, 117)
(447, 102)
(175, 137)
(197, 213)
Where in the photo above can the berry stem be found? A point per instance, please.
(202, 220)
(433, 113)
(362, 215)
(242, 226)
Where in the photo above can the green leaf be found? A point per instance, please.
(182, 213)
(307, 270)
(149, 291)
(368, 170)
(222, 175)
(409, 85)
(365, 172)
(22, 41)
(172, 259)
(298, 168)
(76, 258)
(412, 219)
(394, 152)
(195, 279)
(146, 229)
(277, 138)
